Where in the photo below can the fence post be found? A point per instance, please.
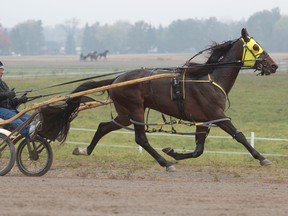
(252, 139)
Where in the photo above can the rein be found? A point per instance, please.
(249, 59)
(41, 96)
(80, 80)
(62, 84)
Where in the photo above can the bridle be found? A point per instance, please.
(252, 51)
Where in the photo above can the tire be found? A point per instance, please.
(7, 155)
(38, 161)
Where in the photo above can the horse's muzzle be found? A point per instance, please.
(267, 66)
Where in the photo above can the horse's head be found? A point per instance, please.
(255, 56)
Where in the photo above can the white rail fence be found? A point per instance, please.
(252, 139)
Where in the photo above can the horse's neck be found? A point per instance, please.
(225, 77)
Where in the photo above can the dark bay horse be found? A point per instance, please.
(92, 55)
(103, 54)
(205, 89)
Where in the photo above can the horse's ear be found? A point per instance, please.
(245, 35)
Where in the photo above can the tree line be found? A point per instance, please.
(269, 27)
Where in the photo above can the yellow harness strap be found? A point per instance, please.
(202, 81)
(217, 85)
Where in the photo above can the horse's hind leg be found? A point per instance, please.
(141, 139)
(103, 129)
(239, 136)
(200, 137)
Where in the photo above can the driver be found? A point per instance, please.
(8, 106)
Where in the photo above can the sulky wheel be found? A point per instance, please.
(7, 154)
(34, 157)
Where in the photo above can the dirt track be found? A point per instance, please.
(82, 191)
(194, 191)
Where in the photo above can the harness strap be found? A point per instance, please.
(180, 95)
(207, 81)
(218, 86)
(211, 123)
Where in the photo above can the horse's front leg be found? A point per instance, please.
(239, 136)
(200, 137)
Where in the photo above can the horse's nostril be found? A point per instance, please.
(274, 67)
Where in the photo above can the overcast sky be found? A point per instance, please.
(155, 12)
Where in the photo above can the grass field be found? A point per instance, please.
(258, 104)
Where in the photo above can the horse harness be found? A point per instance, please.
(250, 55)
(178, 91)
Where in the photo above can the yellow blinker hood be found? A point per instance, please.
(249, 54)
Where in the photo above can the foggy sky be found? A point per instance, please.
(155, 12)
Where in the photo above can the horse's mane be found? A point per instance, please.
(217, 52)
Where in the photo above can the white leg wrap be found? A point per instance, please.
(80, 151)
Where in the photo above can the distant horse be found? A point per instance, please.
(83, 57)
(93, 56)
(103, 54)
(205, 88)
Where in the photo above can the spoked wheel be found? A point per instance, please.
(34, 157)
(7, 154)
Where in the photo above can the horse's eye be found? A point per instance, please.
(256, 47)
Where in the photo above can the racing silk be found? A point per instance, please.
(5, 102)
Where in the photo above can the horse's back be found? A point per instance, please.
(152, 94)
(157, 94)
(132, 90)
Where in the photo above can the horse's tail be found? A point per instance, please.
(56, 119)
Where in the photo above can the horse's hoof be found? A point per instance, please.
(171, 168)
(167, 150)
(80, 151)
(265, 162)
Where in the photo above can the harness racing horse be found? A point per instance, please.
(205, 89)
(91, 55)
(103, 54)
(83, 57)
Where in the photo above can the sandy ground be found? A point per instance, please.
(82, 191)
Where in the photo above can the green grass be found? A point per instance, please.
(258, 104)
